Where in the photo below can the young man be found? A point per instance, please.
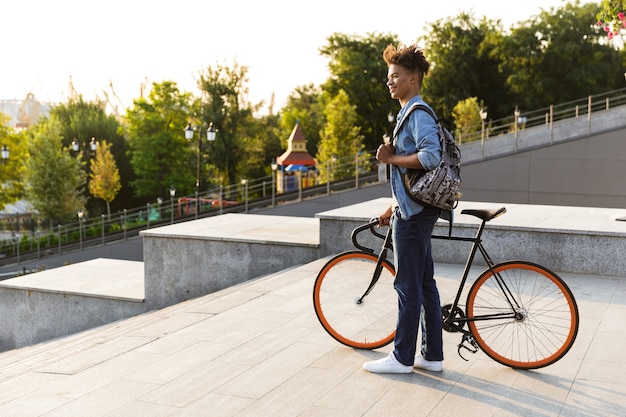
(415, 146)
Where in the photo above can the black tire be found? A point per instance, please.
(546, 321)
(369, 324)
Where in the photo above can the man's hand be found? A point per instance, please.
(385, 152)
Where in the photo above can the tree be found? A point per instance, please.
(463, 65)
(341, 140)
(81, 121)
(224, 103)
(357, 67)
(612, 17)
(559, 56)
(467, 120)
(104, 176)
(12, 170)
(159, 153)
(55, 178)
(303, 107)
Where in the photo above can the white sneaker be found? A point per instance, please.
(387, 365)
(434, 366)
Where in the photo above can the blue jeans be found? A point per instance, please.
(416, 288)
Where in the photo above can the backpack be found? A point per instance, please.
(438, 187)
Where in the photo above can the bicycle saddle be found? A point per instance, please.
(485, 215)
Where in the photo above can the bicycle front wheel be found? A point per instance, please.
(524, 316)
(358, 321)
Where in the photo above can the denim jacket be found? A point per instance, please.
(419, 134)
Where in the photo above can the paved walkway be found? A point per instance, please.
(257, 349)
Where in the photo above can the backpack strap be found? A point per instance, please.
(414, 106)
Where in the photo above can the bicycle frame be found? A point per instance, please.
(477, 246)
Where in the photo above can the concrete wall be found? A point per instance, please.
(568, 239)
(196, 258)
(576, 170)
(34, 316)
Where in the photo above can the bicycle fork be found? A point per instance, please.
(379, 267)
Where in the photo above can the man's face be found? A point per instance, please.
(400, 81)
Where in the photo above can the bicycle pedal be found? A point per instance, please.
(473, 348)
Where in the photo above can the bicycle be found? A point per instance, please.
(519, 313)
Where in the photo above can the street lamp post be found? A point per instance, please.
(483, 117)
(172, 194)
(81, 214)
(328, 177)
(244, 182)
(159, 202)
(274, 166)
(210, 135)
(516, 115)
(16, 239)
(5, 154)
(93, 145)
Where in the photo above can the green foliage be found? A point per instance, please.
(558, 57)
(554, 57)
(612, 17)
(341, 140)
(104, 176)
(224, 91)
(81, 121)
(462, 64)
(467, 118)
(303, 107)
(261, 144)
(159, 153)
(12, 170)
(55, 179)
(357, 67)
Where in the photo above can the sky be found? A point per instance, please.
(126, 43)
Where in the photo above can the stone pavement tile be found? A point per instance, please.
(265, 345)
(214, 405)
(25, 384)
(274, 371)
(358, 393)
(176, 364)
(194, 384)
(236, 329)
(104, 400)
(95, 355)
(33, 405)
(226, 302)
(171, 343)
(605, 360)
(416, 396)
(97, 377)
(169, 325)
(295, 395)
(595, 399)
(142, 409)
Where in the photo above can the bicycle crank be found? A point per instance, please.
(453, 319)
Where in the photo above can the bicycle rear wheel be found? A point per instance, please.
(365, 323)
(546, 315)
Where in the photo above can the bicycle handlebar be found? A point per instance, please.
(371, 225)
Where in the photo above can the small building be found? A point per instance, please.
(295, 163)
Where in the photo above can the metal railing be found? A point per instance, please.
(262, 192)
(234, 198)
(545, 116)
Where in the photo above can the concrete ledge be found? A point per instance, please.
(569, 239)
(191, 259)
(65, 300)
